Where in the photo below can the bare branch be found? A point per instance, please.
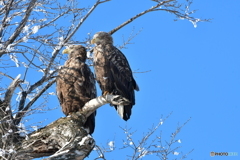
(63, 139)
(167, 149)
(22, 112)
(40, 82)
(11, 88)
(100, 153)
(130, 38)
(4, 74)
(142, 71)
(20, 27)
(171, 6)
(4, 21)
(56, 50)
(95, 103)
(139, 15)
(32, 50)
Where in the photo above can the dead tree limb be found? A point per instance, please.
(65, 138)
(139, 15)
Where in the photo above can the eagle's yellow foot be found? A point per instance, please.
(105, 93)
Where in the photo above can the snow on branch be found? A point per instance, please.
(69, 36)
(22, 112)
(95, 103)
(65, 138)
(22, 23)
(171, 6)
(11, 88)
(151, 144)
(138, 15)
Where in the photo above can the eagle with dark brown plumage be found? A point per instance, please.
(113, 72)
(76, 84)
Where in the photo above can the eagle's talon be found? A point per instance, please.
(113, 73)
(119, 100)
(105, 93)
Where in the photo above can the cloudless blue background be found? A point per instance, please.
(195, 72)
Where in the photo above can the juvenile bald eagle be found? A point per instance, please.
(113, 72)
(76, 84)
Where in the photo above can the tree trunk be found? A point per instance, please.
(63, 139)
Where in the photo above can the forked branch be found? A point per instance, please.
(139, 15)
(65, 138)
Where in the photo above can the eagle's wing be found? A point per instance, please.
(124, 83)
(102, 69)
(75, 87)
(121, 73)
(89, 91)
(59, 84)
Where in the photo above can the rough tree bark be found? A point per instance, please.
(63, 139)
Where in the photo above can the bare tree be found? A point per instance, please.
(151, 144)
(31, 37)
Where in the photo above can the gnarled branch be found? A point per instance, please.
(65, 138)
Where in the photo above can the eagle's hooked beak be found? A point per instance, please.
(93, 41)
(65, 51)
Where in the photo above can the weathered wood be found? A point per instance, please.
(65, 138)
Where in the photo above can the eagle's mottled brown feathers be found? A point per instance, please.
(113, 72)
(76, 84)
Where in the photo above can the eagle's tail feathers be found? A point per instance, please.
(124, 111)
(120, 110)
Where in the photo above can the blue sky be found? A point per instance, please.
(195, 72)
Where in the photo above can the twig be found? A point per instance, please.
(22, 24)
(101, 155)
(4, 21)
(139, 15)
(143, 71)
(6, 75)
(56, 50)
(21, 113)
(129, 39)
(11, 88)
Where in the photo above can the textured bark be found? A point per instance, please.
(65, 138)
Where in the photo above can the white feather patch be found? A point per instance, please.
(120, 110)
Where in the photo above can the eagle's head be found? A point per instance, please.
(76, 51)
(102, 38)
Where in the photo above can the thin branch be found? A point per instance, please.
(22, 24)
(61, 138)
(56, 50)
(4, 74)
(11, 88)
(40, 82)
(21, 113)
(95, 103)
(101, 154)
(10, 77)
(30, 62)
(142, 71)
(42, 26)
(139, 15)
(5, 18)
(129, 39)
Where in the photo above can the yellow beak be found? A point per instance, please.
(93, 41)
(66, 51)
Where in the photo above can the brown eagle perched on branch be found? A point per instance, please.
(76, 84)
(113, 72)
